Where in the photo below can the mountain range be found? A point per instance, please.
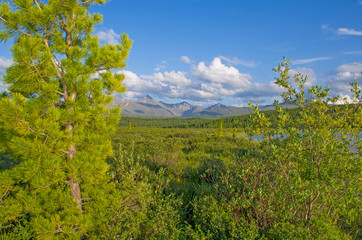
(150, 107)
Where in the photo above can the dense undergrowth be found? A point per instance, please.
(203, 184)
(219, 183)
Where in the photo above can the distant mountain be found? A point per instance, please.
(183, 109)
(150, 107)
(218, 105)
(143, 107)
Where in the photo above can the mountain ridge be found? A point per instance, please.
(150, 107)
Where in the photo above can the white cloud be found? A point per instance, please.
(220, 73)
(236, 61)
(347, 31)
(109, 37)
(343, 99)
(163, 84)
(137, 86)
(341, 31)
(355, 67)
(197, 94)
(206, 83)
(186, 59)
(344, 75)
(227, 92)
(226, 81)
(173, 78)
(309, 60)
(258, 92)
(5, 63)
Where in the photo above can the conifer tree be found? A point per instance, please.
(55, 123)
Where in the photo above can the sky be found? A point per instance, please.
(223, 51)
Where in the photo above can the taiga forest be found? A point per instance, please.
(71, 167)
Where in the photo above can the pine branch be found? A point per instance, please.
(4, 194)
(59, 75)
(37, 70)
(29, 128)
(36, 132)
(18, 29)
(60, 93)
(51, 28)
(37, 4)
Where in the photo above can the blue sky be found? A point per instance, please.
(209, 51)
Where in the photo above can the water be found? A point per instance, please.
(283, 136)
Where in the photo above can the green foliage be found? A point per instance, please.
(220, 132)
(54, 124)
(143, 211)
(312, 177)
(61, 177)
(302, 181)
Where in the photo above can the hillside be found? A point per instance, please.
(150, 107)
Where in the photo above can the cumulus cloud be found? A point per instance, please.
(236, 61)
(355, 67)
(226, 81)
(309, 60)
(164, 84)
(201, 95)
(344, 75)
(220, 73)
(343, 99)
(138, 87)
(109, 36)
(258, 92)
(206, 83)
(173, 78)
(186, 59)
(348, 31)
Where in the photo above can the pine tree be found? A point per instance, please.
(55, 124)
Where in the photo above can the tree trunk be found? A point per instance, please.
(75, 193)
(74, 185)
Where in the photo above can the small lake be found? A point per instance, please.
(283, 136)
